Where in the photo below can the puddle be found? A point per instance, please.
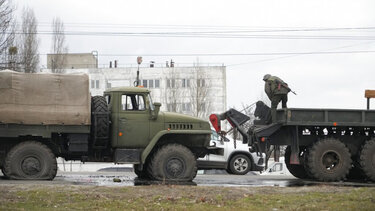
(142, 182)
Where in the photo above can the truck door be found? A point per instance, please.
(134, 124)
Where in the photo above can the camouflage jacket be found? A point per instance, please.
(275, 86)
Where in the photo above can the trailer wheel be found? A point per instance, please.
(296, 170)
(240, 164)
(329, 160)
(367, 159)
(30, 160)
(173, 162)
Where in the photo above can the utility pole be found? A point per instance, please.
(139, 61)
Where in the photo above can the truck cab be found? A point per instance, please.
(133, 115)
(138, 129)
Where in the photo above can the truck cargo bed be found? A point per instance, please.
(44, 99)
(326, 117)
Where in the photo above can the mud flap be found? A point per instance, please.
(294, 156)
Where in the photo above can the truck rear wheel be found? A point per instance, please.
(296, 170)
(329, 160)
(367, 159)
(30, 160)
(240, 164)
(173, 162)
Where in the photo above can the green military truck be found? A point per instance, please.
(44, 116)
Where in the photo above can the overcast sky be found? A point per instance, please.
(251, 38)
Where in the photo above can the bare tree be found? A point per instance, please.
(6, 30)
(29, 42)
(199, 93)
(59, 47)
(172, 91)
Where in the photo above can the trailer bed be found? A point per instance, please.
(326, 117)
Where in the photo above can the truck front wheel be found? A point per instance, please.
(367, 159)
(30, 160)
(173, 162)
(329, 160)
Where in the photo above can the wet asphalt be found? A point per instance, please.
(128, 178)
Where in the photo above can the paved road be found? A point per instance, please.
(130, 179)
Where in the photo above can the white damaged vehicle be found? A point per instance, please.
(277, 168)
(236, 160)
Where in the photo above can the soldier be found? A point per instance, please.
(277, 90)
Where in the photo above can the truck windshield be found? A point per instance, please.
(151, 103)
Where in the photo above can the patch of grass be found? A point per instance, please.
(185, 198)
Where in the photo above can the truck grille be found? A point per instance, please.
(181, 126)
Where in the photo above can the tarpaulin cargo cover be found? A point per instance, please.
(49, 99)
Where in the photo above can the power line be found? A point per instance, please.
(239, 54)
(233, 54)
(251, 28)
(208, 34)
(294, 55)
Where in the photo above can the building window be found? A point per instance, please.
(186, 107)
(145, 83)
(109, 85)
(201, 83)
(185, 83)
(157, 83)
(151, 83)
(171, 83)
(97, 84)
(92, 84)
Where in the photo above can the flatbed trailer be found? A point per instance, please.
(322, 144)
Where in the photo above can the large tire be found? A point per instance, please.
(240, 164)
(173, 162)
(329, 160)
(30, 160)
(100, 128)
(367, 159)
(296, 170)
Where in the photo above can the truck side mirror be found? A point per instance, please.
(155, 112)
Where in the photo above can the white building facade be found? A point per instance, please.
(196, 90)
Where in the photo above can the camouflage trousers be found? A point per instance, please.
(275, 101)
